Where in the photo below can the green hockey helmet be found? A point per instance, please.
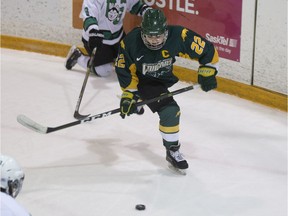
(154, 31)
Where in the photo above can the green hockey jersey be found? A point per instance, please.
(135, 61)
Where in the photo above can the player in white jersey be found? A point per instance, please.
(12, 178)
(103, 28)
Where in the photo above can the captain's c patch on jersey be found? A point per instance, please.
(165, 53)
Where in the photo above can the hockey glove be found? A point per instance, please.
(207, 78)
(95, 39)
(127, 104)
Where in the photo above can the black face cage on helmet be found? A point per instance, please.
(14, 187)
(154, 46)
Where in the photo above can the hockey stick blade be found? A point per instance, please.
(29, 123)
(78, 116)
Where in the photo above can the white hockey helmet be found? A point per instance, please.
(12, 176)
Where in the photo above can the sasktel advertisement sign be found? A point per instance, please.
(219, 21)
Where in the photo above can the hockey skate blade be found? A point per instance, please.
(176, 170)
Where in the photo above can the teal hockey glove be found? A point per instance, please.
(207, 78)
(127, 104)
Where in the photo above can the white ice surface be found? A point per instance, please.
(236, 149)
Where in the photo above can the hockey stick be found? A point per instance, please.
(77, 115)
(27, 122)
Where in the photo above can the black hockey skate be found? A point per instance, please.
(176, 159)
(71, 59)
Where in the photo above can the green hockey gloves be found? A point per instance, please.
(207, 78)
(95, 39)
(127, 104)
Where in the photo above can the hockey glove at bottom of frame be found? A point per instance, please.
(127, 103)
(207, 78)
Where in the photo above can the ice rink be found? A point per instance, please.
(236, 149)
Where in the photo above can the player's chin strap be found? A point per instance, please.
(29, 123)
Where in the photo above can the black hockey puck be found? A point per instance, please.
(140, 207)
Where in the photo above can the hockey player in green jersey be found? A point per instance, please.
(144, 69)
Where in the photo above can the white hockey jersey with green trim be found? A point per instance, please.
(108, 16)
